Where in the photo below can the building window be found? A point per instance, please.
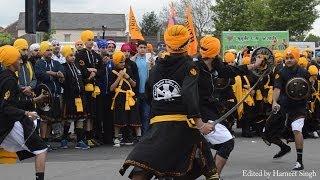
(67, 37)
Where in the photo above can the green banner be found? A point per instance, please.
(238, 40)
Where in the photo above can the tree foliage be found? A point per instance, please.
(5, 39)
(265, 15)
(150, 24)
(312, 38)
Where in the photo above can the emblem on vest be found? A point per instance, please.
(166, 89)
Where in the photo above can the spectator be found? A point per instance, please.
(34, 53)
(57, 56)
(143, 70)
(50, 73)
(73, 100)
(123, 105)
(26, 78)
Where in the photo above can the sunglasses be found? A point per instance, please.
(36, 50)
(79, 44)
(55, 44)
(24, 49)
(49, 50)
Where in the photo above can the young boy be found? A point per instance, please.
(73, 101)
(123, 104)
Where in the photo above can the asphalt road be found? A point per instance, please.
(250, 160)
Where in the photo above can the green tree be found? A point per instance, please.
(5, 38)
(312, 38)
(150, 24)
(231, 15)
(48, 35)
(265, 15)
(295, 16)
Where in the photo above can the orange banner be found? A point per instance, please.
(134, 30)
(193, 43)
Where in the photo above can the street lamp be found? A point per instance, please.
(104, 28)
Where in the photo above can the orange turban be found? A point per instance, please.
(209, 47)
(278, 56)
(292, 51)
(313, 70)
(117, 57)
(21, 44)
(9, 55)
(44, 46)
(229, 57)
(86, 35)
(303, 62)
(177, 38)
(66, 50)
(246, 60)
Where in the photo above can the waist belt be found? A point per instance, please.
(173, 118)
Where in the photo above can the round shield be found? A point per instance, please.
(221, 83)
(45, 104)
(297, 88)
(268, 62)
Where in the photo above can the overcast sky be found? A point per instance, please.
(10, 10)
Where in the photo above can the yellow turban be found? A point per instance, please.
(177, 38)
(293, 51)
(313, 70)
(209, 47)
(229, 57)
(278, 56)
(44, 46)
(9, 55)
(21, 44)
(117, 57)
(246, 60)
(67, 51)
(303, 62)
(86, 35)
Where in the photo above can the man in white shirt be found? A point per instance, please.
(56, 55)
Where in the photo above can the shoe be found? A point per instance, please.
(297, 167)
(64, 144)
(90, 143)
(128, 143)
(315, 134)
(95, 142)
(136, 139)
(116, 142)
(82, 145)
(282, 152)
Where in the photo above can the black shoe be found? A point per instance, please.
(282, 152)
(136, 140)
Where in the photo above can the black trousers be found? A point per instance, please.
(104, 120)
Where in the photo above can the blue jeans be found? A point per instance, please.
(144, 110)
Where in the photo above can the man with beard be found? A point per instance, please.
(34, 53)
(56, 55)
(26, 77)
(50, 73)
(17, 131)
(292, 105)
(213, 75)
(168, 149)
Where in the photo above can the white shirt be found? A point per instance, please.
(60, 59)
